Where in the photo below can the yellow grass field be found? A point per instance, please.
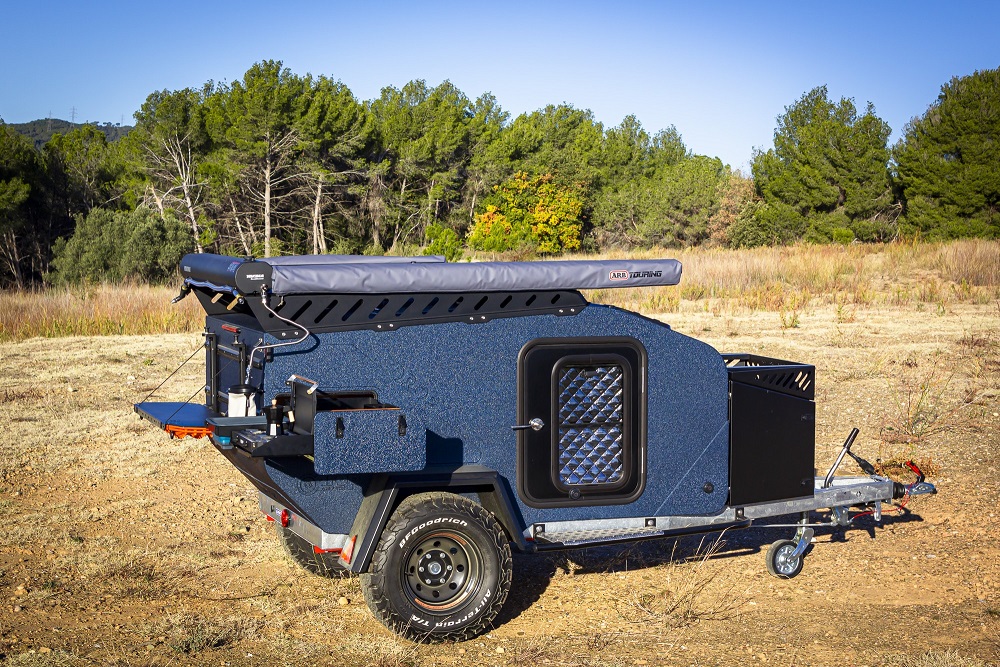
(120, 546)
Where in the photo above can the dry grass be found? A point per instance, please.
(784, 280)
(688, 592)
(47, 659)
(193, 633)
(136, 575)
(96, 311)
(932, 659)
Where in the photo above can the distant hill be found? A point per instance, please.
(41, 130)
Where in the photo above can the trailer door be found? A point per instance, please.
(581, 421)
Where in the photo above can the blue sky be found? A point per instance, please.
(718, 71)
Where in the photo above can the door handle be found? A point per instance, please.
(535, 424)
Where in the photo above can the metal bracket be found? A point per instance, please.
(842, 516)
(804, 539)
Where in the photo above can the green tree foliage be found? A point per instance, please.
(948, 162)
(254, 123)
(19, 170)
(42, 130)
(558, 140)
(85, 166)
(33, 209)
(425, 138)
(528, 213)
(333, 133)
(677, 206)
(655, 192)
(115, 246)
(737, 202)
(281, 163)
(827, 171)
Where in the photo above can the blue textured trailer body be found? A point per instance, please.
(458, 384)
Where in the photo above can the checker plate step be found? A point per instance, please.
(580, 537)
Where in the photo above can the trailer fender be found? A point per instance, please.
(386, 491)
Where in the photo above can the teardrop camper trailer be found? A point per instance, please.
(413, 421)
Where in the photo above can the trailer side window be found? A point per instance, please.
(591, 445)
(591, 428)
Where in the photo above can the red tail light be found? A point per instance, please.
(284, 518)
(317, 550)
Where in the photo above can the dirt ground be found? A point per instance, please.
(121, 546)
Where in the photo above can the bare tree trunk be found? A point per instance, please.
(194, 220)
(158, 201)
(13, 258)
(267, 208)
(430, 202)
(182, 165)
(318, 237)
(399, 215)
(374, 205)
(239, 228)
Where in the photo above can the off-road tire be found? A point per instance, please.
(468, 569)
(300, 551)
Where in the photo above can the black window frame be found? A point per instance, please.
(537, 471)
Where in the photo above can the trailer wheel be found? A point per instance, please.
(301, 551)
(780, 562)
(441, 571)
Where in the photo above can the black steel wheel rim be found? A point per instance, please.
(441, 571)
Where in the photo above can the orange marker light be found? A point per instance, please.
(348, 551)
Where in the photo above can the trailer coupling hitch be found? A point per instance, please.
(919, 486)
(185, 290)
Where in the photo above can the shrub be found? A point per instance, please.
(114, 246)
(443, 241)
(528, 213)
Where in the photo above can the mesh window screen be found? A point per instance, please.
(591, 424)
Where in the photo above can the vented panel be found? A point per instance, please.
(591, 436)
(385, 312)
(785, 377)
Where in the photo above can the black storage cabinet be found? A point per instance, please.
(772, 422)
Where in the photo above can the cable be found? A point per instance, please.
(894, 508)
(305, 334)
(200, 348)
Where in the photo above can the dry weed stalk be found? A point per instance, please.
(921, 407)
(192, 633)
(687, 595)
